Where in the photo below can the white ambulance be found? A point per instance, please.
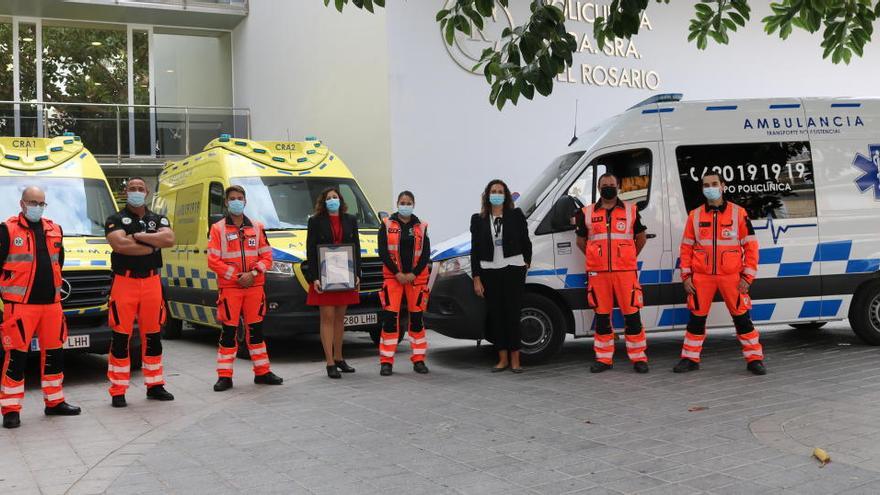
(805, 169)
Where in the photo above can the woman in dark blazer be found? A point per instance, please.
(330, 224)
(501, 253)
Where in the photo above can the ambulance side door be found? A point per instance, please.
(638, 166)
(204, 281)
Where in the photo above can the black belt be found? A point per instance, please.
(135, 274)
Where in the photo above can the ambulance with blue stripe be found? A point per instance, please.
(79, 199)
(805, 169)
(282, 181)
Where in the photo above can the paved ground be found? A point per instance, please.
(553, 429)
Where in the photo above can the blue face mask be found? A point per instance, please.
(332, 205)
(136, 198)
(33, 213)
(496, 199)
(405, 210)
(236, 206)
(712, 193)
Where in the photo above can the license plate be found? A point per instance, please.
(77, 342)
(358, 320)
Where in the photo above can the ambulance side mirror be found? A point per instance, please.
(212, 219)
(562, 214)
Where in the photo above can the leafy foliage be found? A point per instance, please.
(531, 55)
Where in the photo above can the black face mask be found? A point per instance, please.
(608, 192)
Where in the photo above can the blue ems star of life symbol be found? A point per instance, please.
(870, 165)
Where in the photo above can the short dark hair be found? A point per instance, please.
(710, 174)
(232, 189)
(608, 174)
(406, 193)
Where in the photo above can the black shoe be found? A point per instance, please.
(598, 367)
(118, 401)
(223, 383)
(63, 409)
(757, 367)
(686, 365)
(344, 367)
(158, 392)
(641, 367)
(420, 367)
(268, 379)
(496, 369)
(11, 420)
(385, 369)
(333, 371)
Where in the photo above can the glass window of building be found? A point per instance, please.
(7, 117)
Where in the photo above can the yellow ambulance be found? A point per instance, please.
(78, 198)
(282, 180)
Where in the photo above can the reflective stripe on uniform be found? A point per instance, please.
(13, 390)
(749, 271)
(21, 257)
(123, 383)
(18, 290)
(152, 379)
(224, 366)
(55, 396)
(386, 353)
(690, 354)
(752, 353)
(260, 362)
(422, 340)
(119, 369)
(614, 237)
(15, 401)
(693, 343)
(389, 342)
(215, 252)
(51, 383)
(749, 238)
(745, 341)
(689, 242)
(696, 224)
(151, 367)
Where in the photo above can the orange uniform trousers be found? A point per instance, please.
(135, 299)
(20, 323)
(603, 289)
(233, 305)
(391, 297)
(738, 304)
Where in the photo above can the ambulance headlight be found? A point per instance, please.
(282, 268)
(454, 266)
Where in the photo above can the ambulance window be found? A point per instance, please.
(547, 181)
(633, 170)
(216, 200)
(770, 180)
(582, 187)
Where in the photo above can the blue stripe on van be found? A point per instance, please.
(819, 309)
(284, 172)
(763, 312)
(833, 251)
(780, 106)
(720, 108)
(862, 266)
(674, 316)
(307, 172)
(658, 110)
(846, 105)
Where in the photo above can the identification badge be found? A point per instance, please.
(499, 242)
(231, 237)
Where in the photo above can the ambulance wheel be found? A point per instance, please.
(543, 328)
(173, 328)
(864, 313)
(813, 325)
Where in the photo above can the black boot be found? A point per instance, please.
(268, 379)
(63, 409)
(223, 383)
(420, 367)
(641, 367)
(598, 367)
(333, 371)
(118, 401)
(385, 369)
(344, 367)
(757, 367)
(158, 392)
(11, 420)
(686, 365)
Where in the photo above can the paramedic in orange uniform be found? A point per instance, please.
(32, 255)
(239, 253)
(405, 251)
(719, 253)
(136, 236)
(611, 234)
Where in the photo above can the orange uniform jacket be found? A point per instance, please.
(20, 264)
(611, 245)
(233, 250)
(719, 242)
(392, 229)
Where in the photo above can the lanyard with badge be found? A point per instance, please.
(498, 239)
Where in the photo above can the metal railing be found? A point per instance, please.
(126, 132)
(219, 6)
